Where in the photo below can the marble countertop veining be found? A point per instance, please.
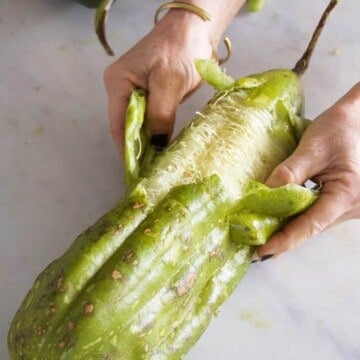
(59, 170)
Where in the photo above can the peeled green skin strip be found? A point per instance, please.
(213, 75)
(134, 135)
(139, 152)
(284, 201)
(262, 211)
(101, 15)
(229, 133)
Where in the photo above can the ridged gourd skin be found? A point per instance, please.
(144, 281)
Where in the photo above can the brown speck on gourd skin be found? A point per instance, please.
(185, 248)
(138, 205)
(135, 262)
(128, 255)
(186, 284)
(71, 325)
(40, 331)
(88, 308)
(60, 285)
(119, 227)
(116, 275)
(52, 309)
(147, 231)
(62, 344)
(216, 252)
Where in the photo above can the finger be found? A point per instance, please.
(302, 165)
(352, 214)
(165, 95)
(330, 206)
(116, 110)
(117, 104)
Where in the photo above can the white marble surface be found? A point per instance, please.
(59, 170)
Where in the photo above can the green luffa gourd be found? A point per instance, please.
(144, 281)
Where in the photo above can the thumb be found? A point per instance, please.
(165, 95)
(299, 167)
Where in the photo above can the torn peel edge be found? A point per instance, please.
(101, 16)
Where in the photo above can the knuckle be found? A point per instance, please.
(115, 134)
(286, 173)
(347, 187)
(114, 130)
(280, 243)
(108, 75)
(316, 148)
(315, 225)
(287, 241)
(350, 185)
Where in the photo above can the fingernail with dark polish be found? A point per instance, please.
(159, 140)
(266, 257)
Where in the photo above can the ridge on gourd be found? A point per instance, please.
(144, 281)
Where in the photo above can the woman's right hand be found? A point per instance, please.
(162, 63)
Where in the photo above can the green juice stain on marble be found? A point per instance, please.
(255, 319)
(39, 130)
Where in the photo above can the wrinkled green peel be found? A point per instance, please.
(135, 138)
(284, 201)
(101, 16)
(140, 154)
(264, 210)
(210, 71)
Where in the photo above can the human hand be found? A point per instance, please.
(329, 152)
(163, 64)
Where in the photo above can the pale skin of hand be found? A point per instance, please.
(162, 63)
(329, 152)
